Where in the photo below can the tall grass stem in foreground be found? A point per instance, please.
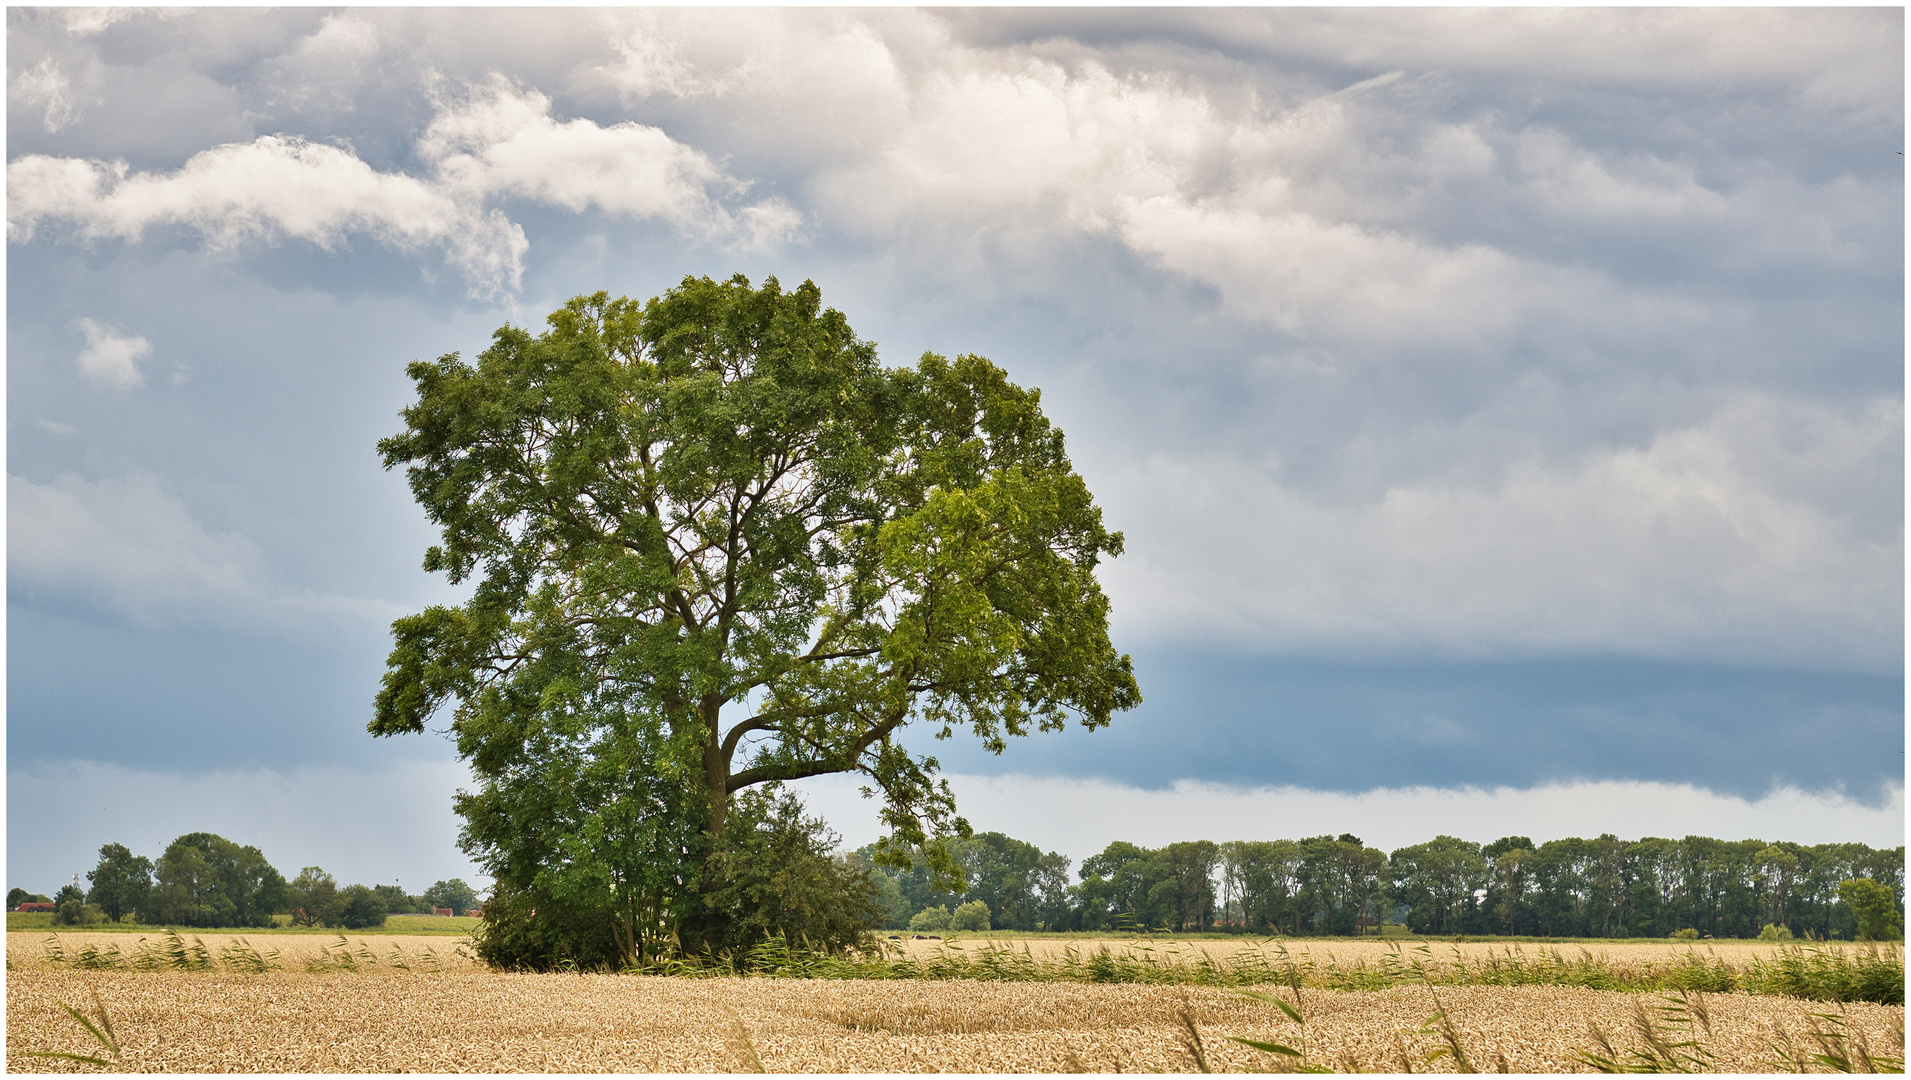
(102, 1033)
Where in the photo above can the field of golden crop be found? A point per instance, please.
(474, 1021)
(465, 1019)
(297, 949)
(1351, 953)
(291, 951)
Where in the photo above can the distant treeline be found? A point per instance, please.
(1606, 887)
(206, 880)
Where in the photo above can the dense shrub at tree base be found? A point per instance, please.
(774, 876)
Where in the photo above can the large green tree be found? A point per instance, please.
(717, 544)
(207, 880)
(453, 894)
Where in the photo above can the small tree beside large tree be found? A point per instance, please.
(716, 546)
(121, 882)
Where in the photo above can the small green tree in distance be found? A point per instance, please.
(397, 901)
(121, 882)
(310, 895)
(356, 908)
(933, 918)
(973, 915)
(1876, 908)
(71, 909)
(453, 894)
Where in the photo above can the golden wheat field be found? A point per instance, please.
(461, 1018)
(1351, 953)
(297, 949)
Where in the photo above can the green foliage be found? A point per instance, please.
(17, 896)
(453, 894)
(719, 546)
(1687, 934)
(776, 877)
(1439, 881)
(121, 882)
(398, 902)
(772, 877)
(889, 897)
(1880, 918)
(1671, 1035)
(1023, 887)
(971, 916)
(1773, 932)
(578, 826)
(310, 895)
(356, 908)
(207, 880)
(934, 918)
(1170, 887)
(170, 952)
(1823, 974)
(71, 908)
(1826, 974)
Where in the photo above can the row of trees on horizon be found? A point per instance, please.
(1605, 887)
(206, 880)
(1322, 885)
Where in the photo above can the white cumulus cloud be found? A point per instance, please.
(45, 86)
(109, 359)
(272, 188)
(497, 142)
(502, 141)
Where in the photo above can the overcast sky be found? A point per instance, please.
(1504, 408)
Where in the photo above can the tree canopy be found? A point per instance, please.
(717, 545)
(453, 894)
(207, 880)
(120, 882)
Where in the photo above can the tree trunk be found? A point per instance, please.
(716, 773)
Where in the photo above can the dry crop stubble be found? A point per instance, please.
(476, 1021)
